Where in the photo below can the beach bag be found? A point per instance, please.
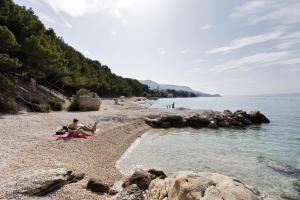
(61, 131)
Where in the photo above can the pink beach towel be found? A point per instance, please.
(67, 135)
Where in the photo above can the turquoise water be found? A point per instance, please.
(266, 157)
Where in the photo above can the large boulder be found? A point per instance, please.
(87, 103)
(143, 178)
(38, 182)
(188, 185)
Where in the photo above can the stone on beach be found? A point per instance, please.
(97, 186)
(86, 103)
(188, 185)
(132, 192)
(39, 182)
(143, 178)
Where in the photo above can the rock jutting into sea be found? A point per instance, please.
(209, 119)
(186, 185)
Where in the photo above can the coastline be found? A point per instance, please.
(27, 143)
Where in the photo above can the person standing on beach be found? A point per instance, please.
(173, 105)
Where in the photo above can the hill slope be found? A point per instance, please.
(29, 50)
(154, 85)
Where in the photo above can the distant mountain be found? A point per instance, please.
(157, 86)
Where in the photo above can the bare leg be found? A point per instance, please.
(91, 128)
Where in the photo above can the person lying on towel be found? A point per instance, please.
(75, 128)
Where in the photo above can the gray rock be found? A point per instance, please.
(290, 196)
(228, 113)
(97, 186)
(280, 167)
(212, 124)
(296, 185)
(258, 118)
(132, 192)
(188, 185)
(143, 178)
(86, 103)
(38, 182)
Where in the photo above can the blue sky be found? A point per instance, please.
(230, 47)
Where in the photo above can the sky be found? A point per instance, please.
(230, 47)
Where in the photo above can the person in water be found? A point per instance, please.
(75, 128)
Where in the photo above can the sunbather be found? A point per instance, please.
(75, 128)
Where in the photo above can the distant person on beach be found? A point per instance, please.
(173, 105)
(116, 101)
(75, 128)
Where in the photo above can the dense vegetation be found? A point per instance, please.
(29, 50)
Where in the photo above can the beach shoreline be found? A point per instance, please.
(27, 143)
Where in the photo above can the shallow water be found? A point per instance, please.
(266, 156)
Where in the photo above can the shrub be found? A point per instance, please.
(84, 92)
(5, 83)
(8, 106)
(74, 106)
(45, 107)
(55, 105)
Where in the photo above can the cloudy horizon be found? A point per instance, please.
(237, 47)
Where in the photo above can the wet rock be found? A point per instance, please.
(228, 113)
(132, 192)
(38, 182)
(165, 124)
(212, 125)
(296, 185)
(226, 119)
(223, 124)
(157, 173)
(290, 196)
(143, 178)
(280, 167)
(188, 185)
(258, 118)
(97, 186)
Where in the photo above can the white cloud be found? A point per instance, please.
(196, 61)
(258, 60)
(79, 8)
(206, 27)
(247, 41)
(161, 51)
(45, 17)
(256, 11)
(289, 40)
(187, 51)
(195, 69)
(114, 33)
(287, 44)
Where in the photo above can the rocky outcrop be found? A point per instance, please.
(86, 103)
(188, 185)
(38, 182)
(226, 119)
(132, 192)
(143, 178)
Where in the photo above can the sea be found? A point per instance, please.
(265, 156)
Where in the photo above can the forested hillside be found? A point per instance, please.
(29, 50)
